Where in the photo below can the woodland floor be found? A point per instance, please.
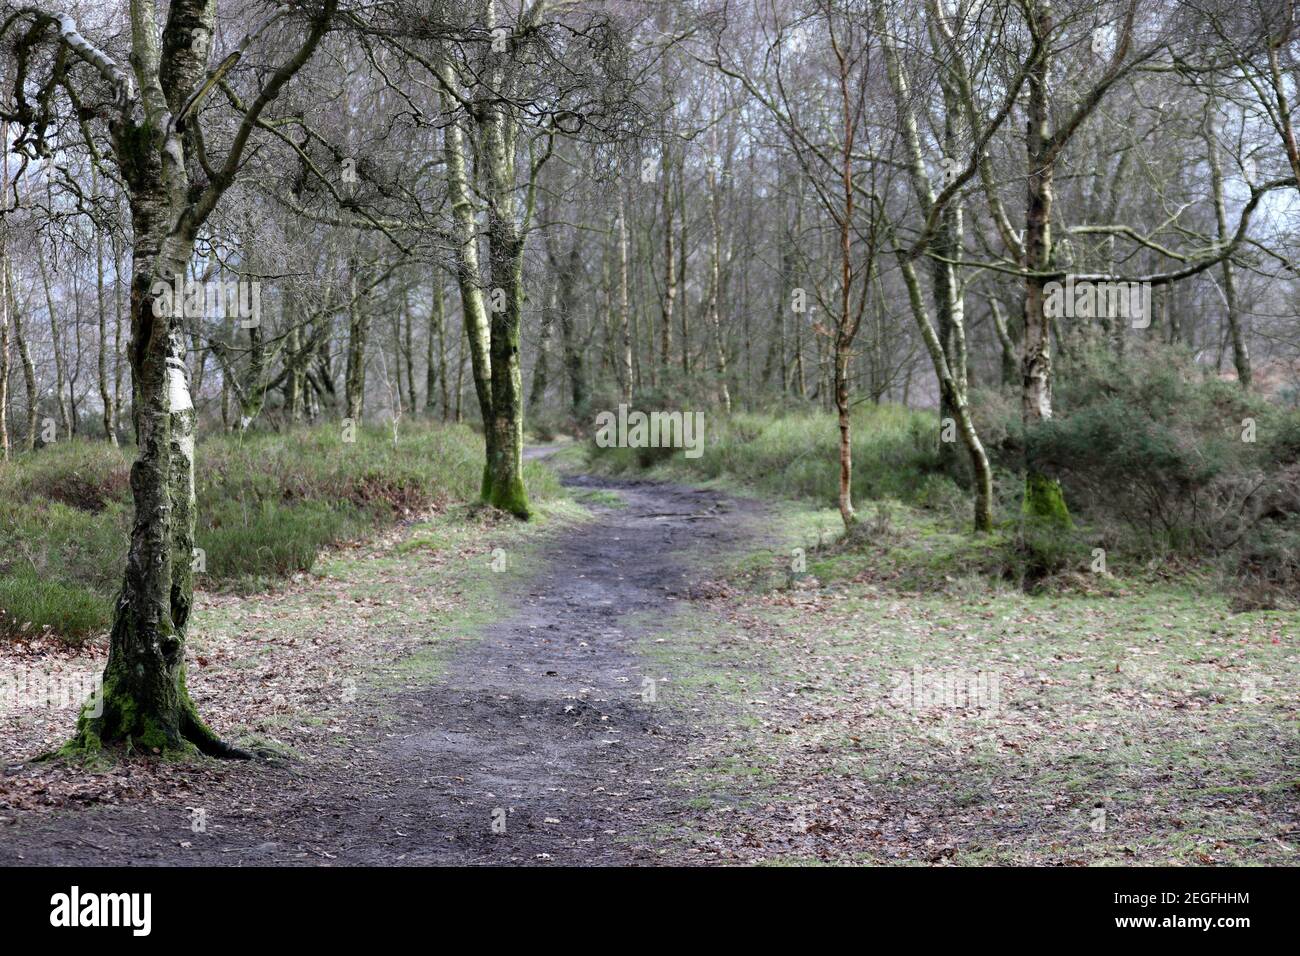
(643, 683)
(541, 712)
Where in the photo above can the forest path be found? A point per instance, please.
(545, 717)
(546, 721)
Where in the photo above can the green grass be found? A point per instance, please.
(268, 504)
(796, 456)
(64, 608)
(600, 498)
(1151, 700)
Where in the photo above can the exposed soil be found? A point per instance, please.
(544, 718)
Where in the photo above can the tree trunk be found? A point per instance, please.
(715, 283)
(65, 425)
(625, 374)
(105, 392)
(682, 259)
(1010, 364)
(954, 391)
(146, 704)
(460, 374)
(408, 351)
(468, 277)
(5, 296)
(506, 489)
(117, 336)
(4, 334)
(25, 358)
(785, 290)
(844, 411)
(293, 378)
(1240, 352)
(949, 305)
(354, 386)
(566, 310)
(1043, 497)
(435, 370)
(540, 369)
(498, 127)
(947, 345)
(670, 267)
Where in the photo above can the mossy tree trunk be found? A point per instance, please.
(1043, 497)
(505, 484)
(469, 279)
(146, 704)
(494, 332)
(498, 129)
(145, 700)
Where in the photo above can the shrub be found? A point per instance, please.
(1042, 549)
(1148, 443)
(30, 600)
(268, 503)
(940, 493)
(1264, 570)
(82, 474)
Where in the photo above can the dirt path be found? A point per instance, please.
(540, 722)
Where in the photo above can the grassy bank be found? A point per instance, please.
(796, 456)
(268, 504)
(896, 477)
(1158, 484)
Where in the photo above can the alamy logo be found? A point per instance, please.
(103, 909)
(196, 300)
(1098, 299)
(951, 690)
(52, 690)
(656, 430)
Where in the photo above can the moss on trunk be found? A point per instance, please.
(1044, 501)
(146, 709)
(511, 496)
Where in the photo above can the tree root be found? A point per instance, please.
(201, 736)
